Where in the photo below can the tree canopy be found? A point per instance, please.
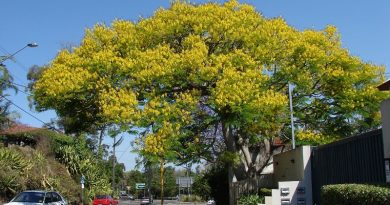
(201, 79)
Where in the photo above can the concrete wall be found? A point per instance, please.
(292, 170)
(289, 166)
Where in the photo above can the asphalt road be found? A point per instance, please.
(157, 202)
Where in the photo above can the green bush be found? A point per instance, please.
(191, 198)
(348, 194)
(264, 192)
(251, 200)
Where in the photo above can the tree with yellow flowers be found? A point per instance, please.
(210, 81)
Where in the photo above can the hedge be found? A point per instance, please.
(348, 194)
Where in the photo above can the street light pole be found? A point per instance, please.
(4, 58)
(290, 89)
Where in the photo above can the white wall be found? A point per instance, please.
(292, 170)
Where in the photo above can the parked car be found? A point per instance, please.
(145, 201)
(104, 199)
(38, 197)
(127, 197)
(131, 197)
(211, 202)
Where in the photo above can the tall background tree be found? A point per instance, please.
(7, 117)
(210, 81)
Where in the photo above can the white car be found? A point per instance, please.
(35, 197)
(211, 202)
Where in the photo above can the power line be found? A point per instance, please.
(20, 85)
(22, 91)
(124, 152)
(16, 84)
(14, 59)
(29, 113)
(4, 51)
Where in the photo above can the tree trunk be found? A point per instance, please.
(162, 180)
(253, 158)
(100, 150)
(231, 147)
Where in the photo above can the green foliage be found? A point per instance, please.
(229, 158)
(12, 159)
(215, 182)
(12, 166)
(80, 161)
(264, 192)
(26, 168)
(250, 200)
(350, 194)
(170, 188)
(132, 177)
(118, 171)
(19, 173)
(191, 198)
(47, 141)
(201, 186)
(5, 83)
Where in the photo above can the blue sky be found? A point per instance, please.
(364, 27)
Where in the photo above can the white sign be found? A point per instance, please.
(140, 185)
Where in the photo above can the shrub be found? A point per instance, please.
(264, 192)
(251, 200)
(191, 198)
(201, 187)
(348, 194)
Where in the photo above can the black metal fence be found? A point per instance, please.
(357, 159)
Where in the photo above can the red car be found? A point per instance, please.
(104, 200)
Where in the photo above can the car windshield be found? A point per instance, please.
(103, 197)
(31, 197)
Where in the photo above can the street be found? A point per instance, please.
(157, 202)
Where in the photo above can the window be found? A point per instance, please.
(31, 197)
(56, 197)
(49, 198)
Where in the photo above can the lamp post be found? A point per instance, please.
(4, 58)
(290, 89)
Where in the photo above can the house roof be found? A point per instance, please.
(19, 128)
(384, 86)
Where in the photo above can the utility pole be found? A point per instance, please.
(290, 89)
(113, 165)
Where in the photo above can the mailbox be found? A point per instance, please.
(301, 190)
(284, 191)
(301, 201)
(285, 201)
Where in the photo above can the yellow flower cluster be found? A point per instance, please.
(159, 142)
(159, 110)
(237, 89)
(314, 138)
(63, 80)
(118, 105)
